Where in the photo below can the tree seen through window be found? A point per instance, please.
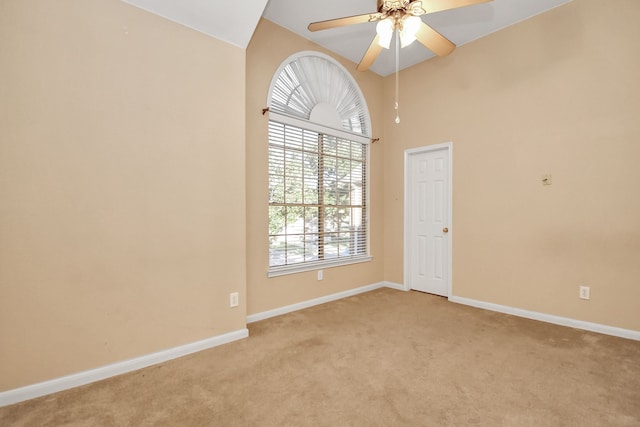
(317, 196)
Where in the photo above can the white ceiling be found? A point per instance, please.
(236, 25)
(217, 18)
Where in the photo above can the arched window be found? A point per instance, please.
(319, 130)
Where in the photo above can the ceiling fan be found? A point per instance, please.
(402, 16)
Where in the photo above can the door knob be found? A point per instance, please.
(445, 230)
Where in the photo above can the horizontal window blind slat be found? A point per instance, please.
(317, 186)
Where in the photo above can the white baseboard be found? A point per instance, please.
(396, 286)
(317, 301)
(81, 378)
(549, 318)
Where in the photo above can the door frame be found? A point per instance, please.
(448, 146)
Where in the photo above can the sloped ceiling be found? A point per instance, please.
(232, 22)
(236, 23)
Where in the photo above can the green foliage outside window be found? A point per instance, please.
(317, 195)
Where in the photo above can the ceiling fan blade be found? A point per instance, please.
(432, 6)
(434, 41)
(340, 22)
(370, 55)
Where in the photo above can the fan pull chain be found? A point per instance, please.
(397, 106)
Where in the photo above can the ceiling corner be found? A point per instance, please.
(208, 17)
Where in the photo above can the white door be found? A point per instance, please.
(427, 219)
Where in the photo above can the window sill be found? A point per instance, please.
(292, 269)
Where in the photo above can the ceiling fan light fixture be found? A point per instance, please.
(384, 29)
(409, 27)
(402, 16)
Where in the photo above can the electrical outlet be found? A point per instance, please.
(585, 292)
(233, 299)
(320, 275)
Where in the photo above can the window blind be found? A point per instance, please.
(317, 197)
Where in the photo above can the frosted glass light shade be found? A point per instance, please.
(385, 32)
(410, 26)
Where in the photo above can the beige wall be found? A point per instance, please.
(121, 232)
(555, 94)
(269, 47)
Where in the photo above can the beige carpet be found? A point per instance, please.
(384, 358)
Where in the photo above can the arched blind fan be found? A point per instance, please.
(314, 88)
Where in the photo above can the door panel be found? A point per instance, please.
(427, 205)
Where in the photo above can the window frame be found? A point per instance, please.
(344, 130)
(281, 270)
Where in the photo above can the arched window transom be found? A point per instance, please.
(314, 87)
